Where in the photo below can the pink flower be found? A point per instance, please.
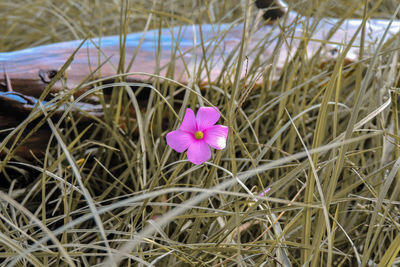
(196, 134)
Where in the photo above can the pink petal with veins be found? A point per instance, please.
(207, 117)
(180, 140)
(199, 152)
(189, 122)
(216, 136)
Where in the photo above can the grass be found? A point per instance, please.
(325, 140)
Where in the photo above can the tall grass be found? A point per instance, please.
(111, 192)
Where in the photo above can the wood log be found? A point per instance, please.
(184, 50)
(202, 53)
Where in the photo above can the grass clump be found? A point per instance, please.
(323, 139)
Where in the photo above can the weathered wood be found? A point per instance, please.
(30, 70)
(181, 49)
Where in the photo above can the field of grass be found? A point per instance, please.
(323, 137)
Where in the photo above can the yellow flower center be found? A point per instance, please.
(199, 135)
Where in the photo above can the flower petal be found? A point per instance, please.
(189, 122)
(199, 152)
(180, 140)
(216, 136)
(206, 117)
